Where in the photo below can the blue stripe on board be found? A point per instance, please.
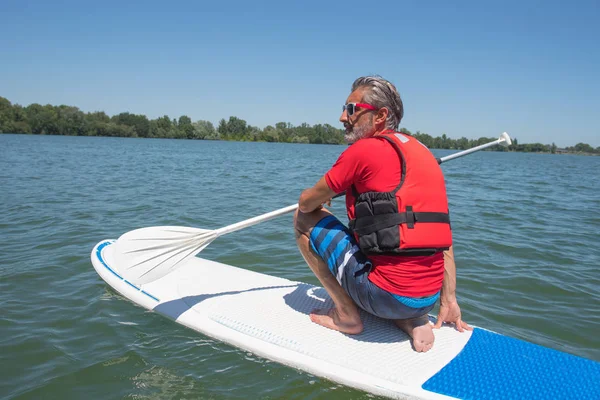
(131, 284)
(99, 256)
(494, 367)
(149, 295)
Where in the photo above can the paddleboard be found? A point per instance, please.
(269, 316)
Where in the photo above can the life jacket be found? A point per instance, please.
(411, 220)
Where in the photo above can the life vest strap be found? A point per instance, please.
(374, 223)
(413, 252)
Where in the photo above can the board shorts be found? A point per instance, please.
(333, 242)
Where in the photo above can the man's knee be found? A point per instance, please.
(304, 222)
(301, 225)
(297, 230)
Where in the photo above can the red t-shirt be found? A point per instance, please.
(373, 165)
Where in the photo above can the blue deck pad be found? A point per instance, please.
(493, 366)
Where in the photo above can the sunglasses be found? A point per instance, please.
(351, 107)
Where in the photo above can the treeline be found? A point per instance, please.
(68, 120)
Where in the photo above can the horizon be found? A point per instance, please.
(216, 125)
(467, 70)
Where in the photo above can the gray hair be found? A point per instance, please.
(382, 93)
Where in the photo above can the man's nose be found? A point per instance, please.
(344, 116)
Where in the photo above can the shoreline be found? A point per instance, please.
(495, 149)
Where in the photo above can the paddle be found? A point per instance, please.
(147, 254)
(504, 140)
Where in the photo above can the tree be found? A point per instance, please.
(424, 138)
(5, 115)
(205, 130)
(462, 143)
(584, 148)
(17, 120)
(186, 130)
(163, 127)
(222, 129)
(99, 116)
(284, 130)
(234, 129)
(251, 134)
(71, 121)
(269, 134)
(139, 123)
(445, 143)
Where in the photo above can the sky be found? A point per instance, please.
(472, 69)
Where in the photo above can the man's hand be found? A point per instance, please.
(315, 197)
(450, 313)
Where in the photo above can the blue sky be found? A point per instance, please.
(471, 69)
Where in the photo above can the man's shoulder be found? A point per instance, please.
(368, 143)
(371, 146)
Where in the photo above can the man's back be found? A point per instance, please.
(372, 164)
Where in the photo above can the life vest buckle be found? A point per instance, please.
(410, 217)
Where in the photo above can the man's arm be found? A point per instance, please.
(313, 198)
(449, 309)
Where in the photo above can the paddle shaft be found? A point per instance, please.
(273, 214)
(260, 218)
(503, 139)
(255, 220)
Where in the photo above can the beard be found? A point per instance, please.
(357, 132)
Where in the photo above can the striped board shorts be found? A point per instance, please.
(334, 243)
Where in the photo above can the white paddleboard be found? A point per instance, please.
(269, 316)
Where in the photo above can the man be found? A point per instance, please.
(396, 260)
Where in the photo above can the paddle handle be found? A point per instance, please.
(504, 139)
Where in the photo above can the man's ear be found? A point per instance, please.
(382, 115)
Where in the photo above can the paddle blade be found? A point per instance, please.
(147, 254)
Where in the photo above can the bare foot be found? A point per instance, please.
(333, 320)
(420, 330)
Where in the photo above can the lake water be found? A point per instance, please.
(526, 230)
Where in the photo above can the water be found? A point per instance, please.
(526, 230)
